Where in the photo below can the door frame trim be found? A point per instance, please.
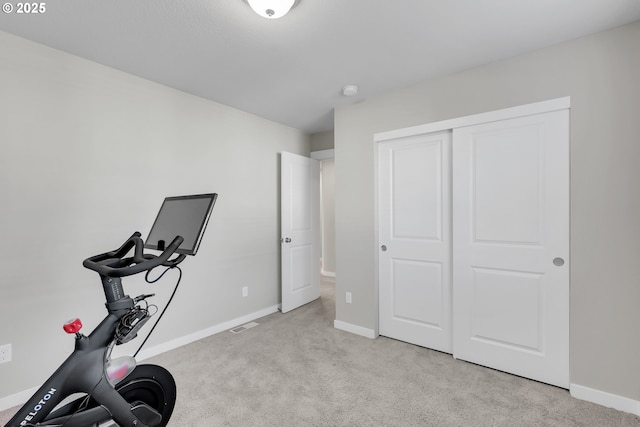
(449, 124)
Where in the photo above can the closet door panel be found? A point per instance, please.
(415, 240)
(511, 245)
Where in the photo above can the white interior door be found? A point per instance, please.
(511, 246)
(415, 243)
(300, 228)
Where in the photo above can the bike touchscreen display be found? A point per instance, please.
(185, 216)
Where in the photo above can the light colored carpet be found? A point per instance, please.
(295, 369)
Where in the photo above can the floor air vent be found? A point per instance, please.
(243, 328)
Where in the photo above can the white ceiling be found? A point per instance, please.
(291, 70)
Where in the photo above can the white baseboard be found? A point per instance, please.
(21, 397)
(605, 399)
(327, 273)
(354, 329)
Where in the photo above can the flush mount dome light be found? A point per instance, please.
(271, 9)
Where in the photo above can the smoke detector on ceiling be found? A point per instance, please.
(350, 90)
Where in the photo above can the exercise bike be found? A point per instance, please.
(92, 389)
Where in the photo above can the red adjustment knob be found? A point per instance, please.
(72, 326)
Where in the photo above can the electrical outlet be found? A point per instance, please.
(245, 291)
(348, 298)
(5, 353)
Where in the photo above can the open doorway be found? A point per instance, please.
(327, 212)
(327, 223)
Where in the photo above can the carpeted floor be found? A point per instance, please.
(295, 369)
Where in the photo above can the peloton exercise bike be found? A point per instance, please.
(94, 389)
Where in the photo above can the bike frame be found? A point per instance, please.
(89, 369)
(84, 372)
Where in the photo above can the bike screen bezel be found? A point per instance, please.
(155, 236)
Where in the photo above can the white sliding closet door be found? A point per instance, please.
(511, 245)
(415, 240)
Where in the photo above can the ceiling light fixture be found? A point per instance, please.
(271, 9)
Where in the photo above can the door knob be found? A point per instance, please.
(559, 262)
(383, 248)
(285, 240)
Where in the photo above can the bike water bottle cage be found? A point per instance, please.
(115, 264)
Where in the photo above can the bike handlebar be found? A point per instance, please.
(114, 263)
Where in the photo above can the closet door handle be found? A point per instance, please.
(383, 248)
(558, 262)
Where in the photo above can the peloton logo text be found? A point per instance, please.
(38, 407)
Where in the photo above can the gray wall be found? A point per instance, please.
(600, 73)
(87, 154)
(322, 141)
